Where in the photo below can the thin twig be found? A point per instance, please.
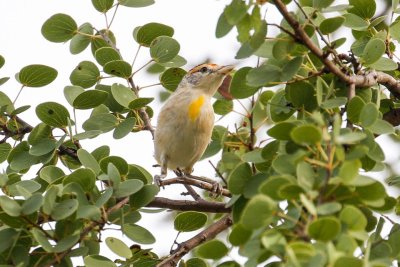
(205, 235)
(203, 184)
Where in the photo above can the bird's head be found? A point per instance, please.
(206, 77)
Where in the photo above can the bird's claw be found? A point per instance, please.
(158, 180)
(216, 190)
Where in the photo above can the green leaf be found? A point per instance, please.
(381, 127)
(2, 61)
(394, 30)
(355, 22)
(354, 108)
(140, 102)
(89, 99)
(144, 196)
(138, 234)
(150, 31)
(81, 39)
(164, 49)
(124, 128)
(239, 88)
(122, 94)
(196, 262)
(71, 92)
(213, 249)
(43, 147)
(353, 218)
(330, 25)
(36, 75)
(349, 170)
(369, 114)
(102, 122)
(86, 178)
(118, 68)
(138, 172)
(86, 74)
(118, 162)
(281, 131)
(171, 78)
(102, 5)
(373, 51)
(302, 95)
(5, 149)
(239, 177)
(98, 260)
(106, 54)
(235, 11)
(118, 247)
(291, 68)
(223, 106)
(53, 114)
(176, 62)
(279, 107)
(128, 187)
(334, 102)
(64, 209)
(59, 28)
(10, 206)
(66, 243)
(223, 26)
(189, 221)
(8, 236)
(329, 208)
(50, 173)
(88, 160)
(87, 135)
(263, 75)
(272, 186)
(254, 156)
(306, 134)
(324, 229)
(363, 8)
(104, 197)
(348, 261)
(239, 235)
(136, 3)
(89, 212)
(384, 64)
(258, 212)
(42, 239)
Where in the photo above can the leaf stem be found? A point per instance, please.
(19, 92)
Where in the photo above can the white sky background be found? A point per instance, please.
(21, 44)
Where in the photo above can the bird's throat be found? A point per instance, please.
(195, 108)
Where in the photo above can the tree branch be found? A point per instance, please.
(197, 183)
(187, 205)
(362, 80)
(207, 234)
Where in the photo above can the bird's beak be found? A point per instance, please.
(224, 70)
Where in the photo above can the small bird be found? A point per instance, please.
(186, 120)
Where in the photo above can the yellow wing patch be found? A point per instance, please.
(195, 107)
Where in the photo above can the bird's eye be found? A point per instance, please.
(203, 69)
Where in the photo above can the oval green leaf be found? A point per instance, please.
(150, 31)
(106, 54)
(118, 68)
(324, 229)
(171, 78)
(213, 249)
(164, 49)
(138, 234)
(36, 75)
(118, 247)
(59, 28)
(53, 114)
(306, 135)
(86, 74)
(89, 99)
(189, 221)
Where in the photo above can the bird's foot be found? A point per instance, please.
(158, 180)
(216, 189)
(179, 172)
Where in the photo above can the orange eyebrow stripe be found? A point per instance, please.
(198, 67)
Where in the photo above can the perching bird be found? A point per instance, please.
(186, 120)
